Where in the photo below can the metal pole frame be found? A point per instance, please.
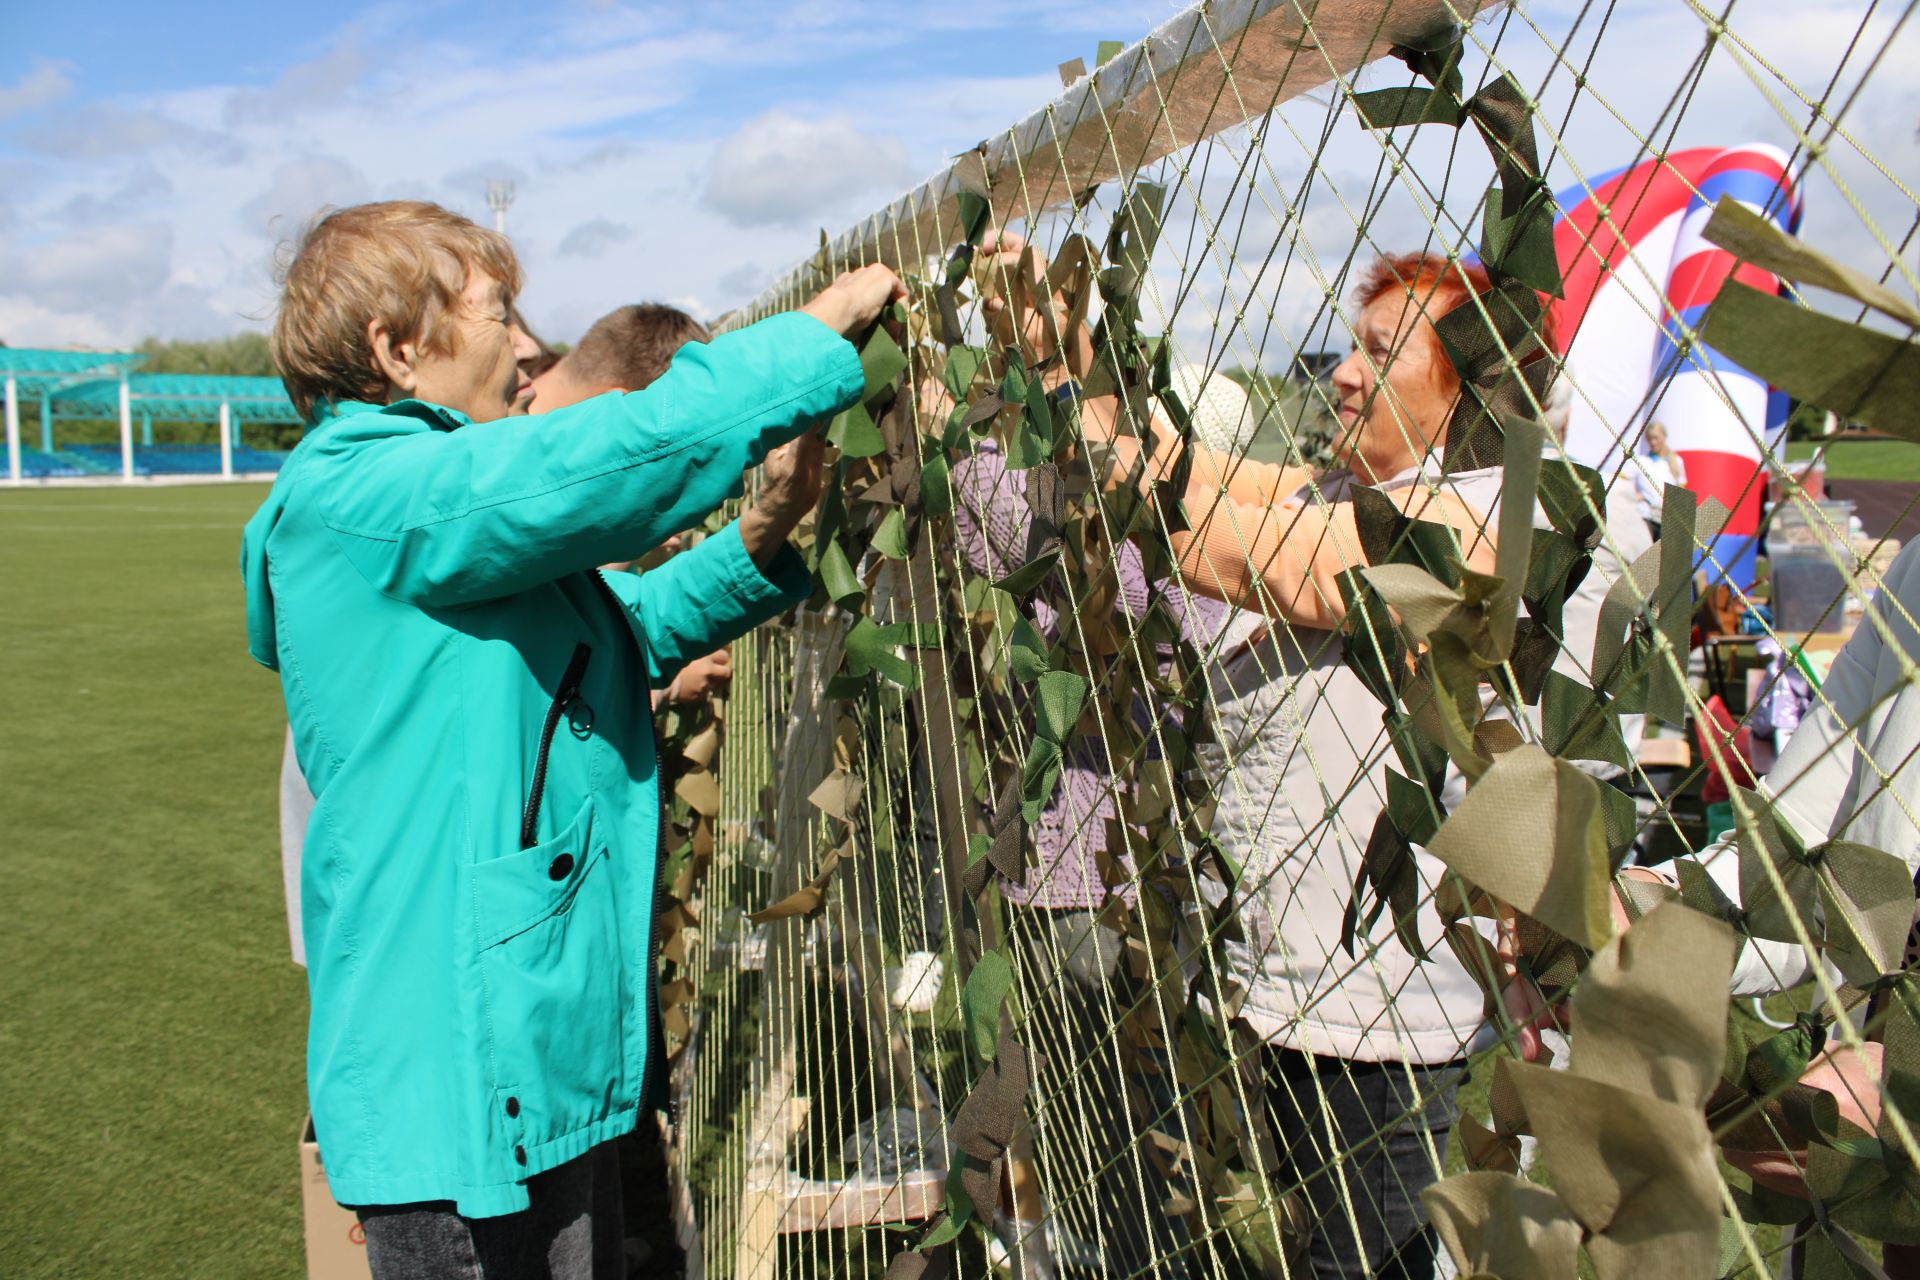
(13, 430)
(126, 430)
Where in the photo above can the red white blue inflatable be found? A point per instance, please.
(1637, 275)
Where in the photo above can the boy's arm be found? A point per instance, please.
(705, 597)
(448, 518)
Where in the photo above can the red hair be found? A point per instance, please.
(1439, 286)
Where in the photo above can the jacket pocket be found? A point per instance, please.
(548, 928)
(568, 703)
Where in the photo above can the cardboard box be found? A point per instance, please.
(336, 1245)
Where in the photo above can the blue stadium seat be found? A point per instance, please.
(161, 460)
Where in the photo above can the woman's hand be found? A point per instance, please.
(1021, 310)
(1855, 1086)
(703, 678)
(1527, 1008)
(853, 301)
(789, 488)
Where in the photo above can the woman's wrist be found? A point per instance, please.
(763, 534)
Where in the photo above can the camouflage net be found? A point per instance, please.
(1053, 896)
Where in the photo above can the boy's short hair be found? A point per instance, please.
(405, 262)
(631, 346)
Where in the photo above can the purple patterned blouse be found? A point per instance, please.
(991, 517)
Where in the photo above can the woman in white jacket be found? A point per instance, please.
(1848, 772)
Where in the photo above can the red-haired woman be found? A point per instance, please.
(1363, 1051)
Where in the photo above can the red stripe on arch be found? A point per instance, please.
(1698, 279)
(1735, 479)
(1635, 202)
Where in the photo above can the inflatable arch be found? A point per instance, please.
(1639, 275)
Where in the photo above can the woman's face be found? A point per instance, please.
(481, 376)
(1391, 408)
(1656, 439)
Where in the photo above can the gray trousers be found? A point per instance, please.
(1362, 1140)
(571, 1231)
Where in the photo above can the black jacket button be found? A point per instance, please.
(513, 1108)
(520, 1154)
(561, 867)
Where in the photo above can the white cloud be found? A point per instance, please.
(43, 86)
(137, 194)
(329, 78)
(102, 130)
(779, 168)
(594, 238)
(620, 119)
(300, 189)
(745, 280)
(82, 269)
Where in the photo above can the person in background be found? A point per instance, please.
(532, 365)
(624, 351)
(1653, 470)
(1364, 1054)
(1625, 539)
(477, 885)
(1850, 771)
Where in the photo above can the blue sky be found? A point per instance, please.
(151, 157)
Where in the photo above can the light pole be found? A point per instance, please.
(499, 197)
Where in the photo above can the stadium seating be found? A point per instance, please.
(38, 465)
(178, 459)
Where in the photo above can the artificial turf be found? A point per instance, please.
(151, 1023)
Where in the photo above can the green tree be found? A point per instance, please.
(241, 355)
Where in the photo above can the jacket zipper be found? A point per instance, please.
(568, 692)
(656, 1031)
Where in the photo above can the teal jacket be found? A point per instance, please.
(469, 701)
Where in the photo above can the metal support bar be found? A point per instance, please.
(46, 422)
(13, 430)
(226, 440)
(126, 430)
(1207, 69)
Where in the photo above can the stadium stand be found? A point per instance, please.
(173, 459)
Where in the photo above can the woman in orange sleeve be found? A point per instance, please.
(1363, 1050)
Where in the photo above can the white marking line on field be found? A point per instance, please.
(102, 507)
(115, 528)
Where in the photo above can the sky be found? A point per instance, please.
(155, 159)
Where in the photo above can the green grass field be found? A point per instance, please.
(1851, 458)
(151, 1026)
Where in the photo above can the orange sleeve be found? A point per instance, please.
(1284, 558)
(1246, 480)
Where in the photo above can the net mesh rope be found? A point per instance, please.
(874, 744)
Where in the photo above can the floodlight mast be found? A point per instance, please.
(499, 198)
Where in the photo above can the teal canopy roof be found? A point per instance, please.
(194, 397)
(37, 372)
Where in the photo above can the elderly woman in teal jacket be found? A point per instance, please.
(469, 701)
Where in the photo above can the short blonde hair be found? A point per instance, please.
(404, 262)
